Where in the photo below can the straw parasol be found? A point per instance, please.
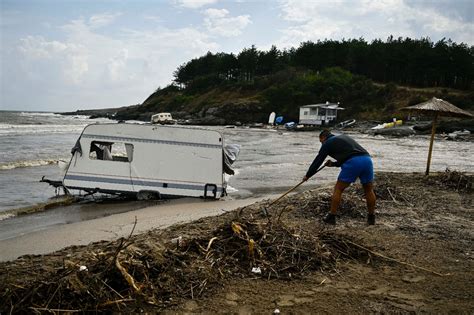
(437, 107)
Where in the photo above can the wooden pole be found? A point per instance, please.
(433, 130)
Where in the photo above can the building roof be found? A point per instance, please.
(324, 105)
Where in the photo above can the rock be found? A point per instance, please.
(402, 131)
(446, 126)
(212, 111)
(208, 120)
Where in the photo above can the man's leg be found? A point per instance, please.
(370, 197)
(330, 217)
(337, 195)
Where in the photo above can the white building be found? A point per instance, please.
(319, 114)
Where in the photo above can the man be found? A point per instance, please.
(355, 162)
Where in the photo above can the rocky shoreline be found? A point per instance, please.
(219, 117)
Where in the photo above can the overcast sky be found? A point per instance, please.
(67, 55)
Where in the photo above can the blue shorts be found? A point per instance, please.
(357, 167)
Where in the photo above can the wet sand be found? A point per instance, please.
(417, 258)
(114, 226)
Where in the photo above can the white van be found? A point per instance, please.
(162, 118)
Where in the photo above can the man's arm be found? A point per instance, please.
(318, 161)
(335, 164)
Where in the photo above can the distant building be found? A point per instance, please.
(319, 114)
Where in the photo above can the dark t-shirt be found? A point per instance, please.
(341, 148)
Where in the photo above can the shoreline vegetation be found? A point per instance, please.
(371, 80)
(420, 261)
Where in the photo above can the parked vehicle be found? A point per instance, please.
(163, 118)
(149, 161)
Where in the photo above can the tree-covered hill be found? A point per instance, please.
(223, 88)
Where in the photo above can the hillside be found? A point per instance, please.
(370, 80)
(284, 92)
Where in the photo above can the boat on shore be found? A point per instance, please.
(345, 124)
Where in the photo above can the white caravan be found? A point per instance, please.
(146, 160)
(162, 118)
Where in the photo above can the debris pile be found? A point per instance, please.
(455, 180)
(158, 268)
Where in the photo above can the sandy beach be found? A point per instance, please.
(118, 225)
(418, 258)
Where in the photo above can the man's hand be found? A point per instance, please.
(305, 178)
(329, 163)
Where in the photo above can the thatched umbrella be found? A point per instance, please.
(437, 107)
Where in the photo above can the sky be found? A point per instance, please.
(65, 55)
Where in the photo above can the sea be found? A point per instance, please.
(36, 144)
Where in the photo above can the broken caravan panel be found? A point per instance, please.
(157, 160)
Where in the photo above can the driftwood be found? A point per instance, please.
(151, 269)
(147, 274)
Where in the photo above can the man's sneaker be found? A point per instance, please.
(329, 218)
(371, 219)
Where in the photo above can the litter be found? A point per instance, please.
(256, 270)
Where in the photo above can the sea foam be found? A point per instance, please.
(10, 129)
(23, 164)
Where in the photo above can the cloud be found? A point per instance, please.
(194, 4)
(116, 65)
(68, 57)
(318, 20)
(38, 47)
(103, 70)
(154, 18)
(101, 20)
(218, 22)
(459, 9)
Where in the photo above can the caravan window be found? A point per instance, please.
(111, 151)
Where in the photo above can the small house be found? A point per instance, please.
(319, 114)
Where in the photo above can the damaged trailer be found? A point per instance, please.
(150, 161)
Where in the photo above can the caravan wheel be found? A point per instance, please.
(148, 195)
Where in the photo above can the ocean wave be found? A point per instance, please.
(38, 207)
(39, 114)
(23, 164)
(231, 189)
(7, 129)
(4, 216)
